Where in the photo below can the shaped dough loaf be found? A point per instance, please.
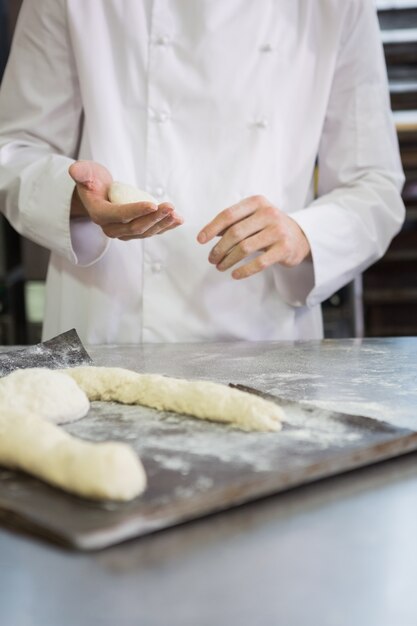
(106, 470)
(30, 397)
(202, 399)
(103, 471)
(47, 393)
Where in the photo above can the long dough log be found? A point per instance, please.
(100, 471)
(205, 400)
(112, 470)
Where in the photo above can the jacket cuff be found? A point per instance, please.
(47, 218)
(330, 247)
(295, 284)
(88, 242)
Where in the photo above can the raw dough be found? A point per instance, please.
(121, 193)
(46, 393)
(105, 470)
(99, 471)
(30, 397)
(202, 399)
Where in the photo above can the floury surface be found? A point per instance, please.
(346, 545)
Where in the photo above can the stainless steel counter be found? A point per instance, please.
(340, 552)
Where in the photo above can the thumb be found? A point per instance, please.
(90, 175)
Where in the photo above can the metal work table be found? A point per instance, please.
(339, 552)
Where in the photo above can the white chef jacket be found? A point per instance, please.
(201, 103)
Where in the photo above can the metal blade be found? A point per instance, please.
(65, 350)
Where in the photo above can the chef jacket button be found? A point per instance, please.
(266, 47)
(163, 41)
(261, 123)
(158, 192)
(161, 117)
(156, 267)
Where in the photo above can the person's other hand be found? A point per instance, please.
(136, 220)
(254, 225)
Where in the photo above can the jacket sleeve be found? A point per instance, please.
(40, 125)
(359, 207)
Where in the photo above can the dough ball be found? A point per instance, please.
(50, 394)
(121, 193)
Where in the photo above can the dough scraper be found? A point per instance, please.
(65, 350)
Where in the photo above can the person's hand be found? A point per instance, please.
(122, 221)
(254, 225)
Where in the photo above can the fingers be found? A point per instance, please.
(263, 261)
(249, 227)
(168, 223)
(230, 216)
(105, 213)
(289, 249)
(170, 227)
(163, 219)
(160, 228)
(257, 242)
(237, 234)
(119, 220)
(137, 226)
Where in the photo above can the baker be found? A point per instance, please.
(219, 110)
